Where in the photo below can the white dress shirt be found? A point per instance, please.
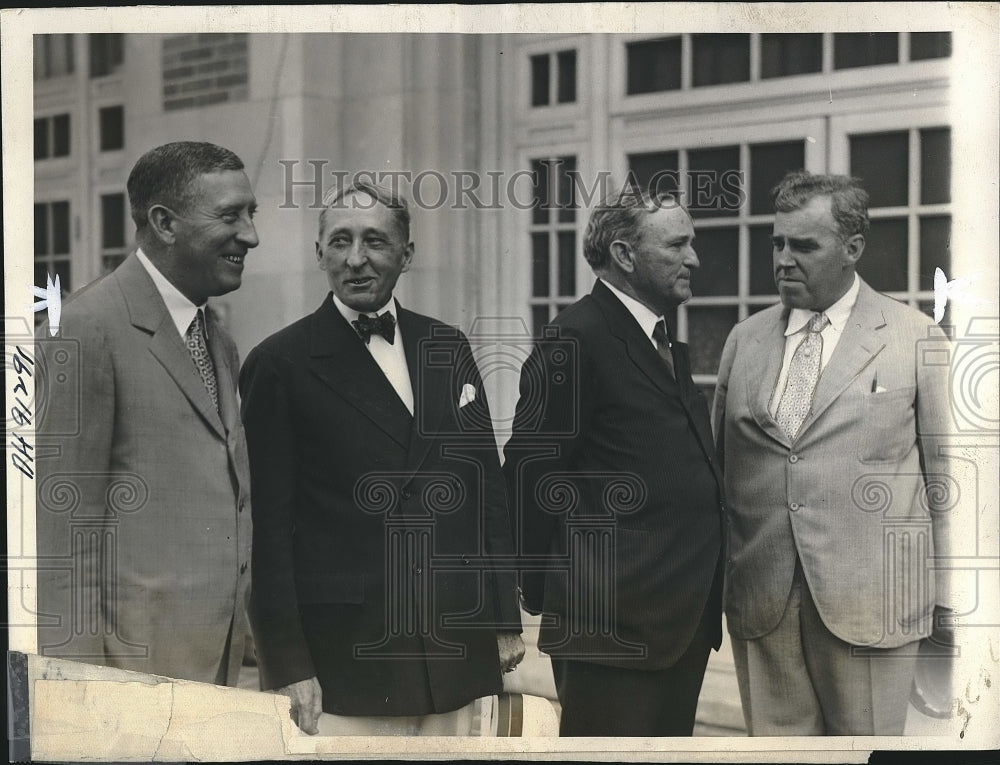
(798, 318)
(646, 318)
(181, 310)
(390, 357)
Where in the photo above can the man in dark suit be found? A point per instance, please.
(378, 496)
(617, 496)
(143, 531)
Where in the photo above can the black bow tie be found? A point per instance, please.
(384, 325)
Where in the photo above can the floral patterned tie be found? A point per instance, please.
(803, 374)
(198, 348)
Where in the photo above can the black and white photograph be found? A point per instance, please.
(505, 381)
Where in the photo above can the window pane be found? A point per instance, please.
(883, 263)
(762, 260)
(881, 160)
(708, 328)
(539, 318)
(720, 58)
(929, 45)
(713, 181)
(105, 54)
(41, 138)
(567, 262)
(112, 221)
(718, 251)
(653, 65)
(769, 162)
(935, 248)
(540, 80)
(851, 49)
(112, 127)
(60, 135)
(935, 166)
(60, 228)
(61, 268)
(110, 262)
(41, 229)
(565, 169)
(786, 54)
(540, 265)
(540, 177)
(655, 171)
(566, 74)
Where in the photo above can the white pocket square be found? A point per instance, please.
(879, 389)
(468, 395)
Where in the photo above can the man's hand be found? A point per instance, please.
(307, 703)
(511, 650)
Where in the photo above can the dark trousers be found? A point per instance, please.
(612, 701)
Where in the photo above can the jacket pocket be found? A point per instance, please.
(890, 425)
(330, 588)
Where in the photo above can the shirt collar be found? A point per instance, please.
(182, 311)
(351, 315)
(838, 313)
(646, 318)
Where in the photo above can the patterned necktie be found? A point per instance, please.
(198, 348)
(663, 346)
(803, 374)
(384, 325)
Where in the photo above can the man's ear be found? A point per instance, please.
(854, 246)
(407, 258)
(163, 223)
(319, 257)
(623, 256)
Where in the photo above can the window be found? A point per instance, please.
(783, 55)
(112, 231)
(52, 243)
(106, 54)
(853, 49)
(653, 65)
(924, 45)
(53, 56)
(111, 121)
(204, 69)
(548, 79)
(553, 238)
(720, 58)
(52, 137)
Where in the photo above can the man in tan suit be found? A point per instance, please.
(830, 413)
(143, 513)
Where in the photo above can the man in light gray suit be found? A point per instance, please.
(830, 414)
(143, 512)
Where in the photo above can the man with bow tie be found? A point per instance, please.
(831, 414)
(378, 496)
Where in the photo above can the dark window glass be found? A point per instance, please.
(112, 221)
(53, 56)
(565, 169)
(769, 162)
(881, 160)
(762, 260)
(112, 127)
(713, 182)
(720, 58)
(566, 76)
(718, 252)
(935, 248)
(106, 53)
(539, 318)
(540, 265)
(655, 171)
(60, 228)
(41, 230)
(60, 135)
(708, 328)
(782, 55)
(567, 262)
(851, 49)
(110, 262)
(935, 166)
(540, 80)
(540, 204)
(62, 270)
(653, 65)
(883, 264)
(41, 138)
(929, 45)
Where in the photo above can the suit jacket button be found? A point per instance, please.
(417, 570)
(793, 458)
(794, 506)
(465, 561)
(406, 494)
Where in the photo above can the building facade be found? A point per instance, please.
(503, 142)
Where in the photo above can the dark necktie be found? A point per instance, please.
(384, 325)
(198, 348)
(663, 346)
(803, 374)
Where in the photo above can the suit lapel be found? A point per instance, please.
(224, 375)
(339, 358)
(148, 312)
(431, 384)
(763, 367)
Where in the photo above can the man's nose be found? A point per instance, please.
(356, 255)
(691, 258)
(248, 233)
(783, 256)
